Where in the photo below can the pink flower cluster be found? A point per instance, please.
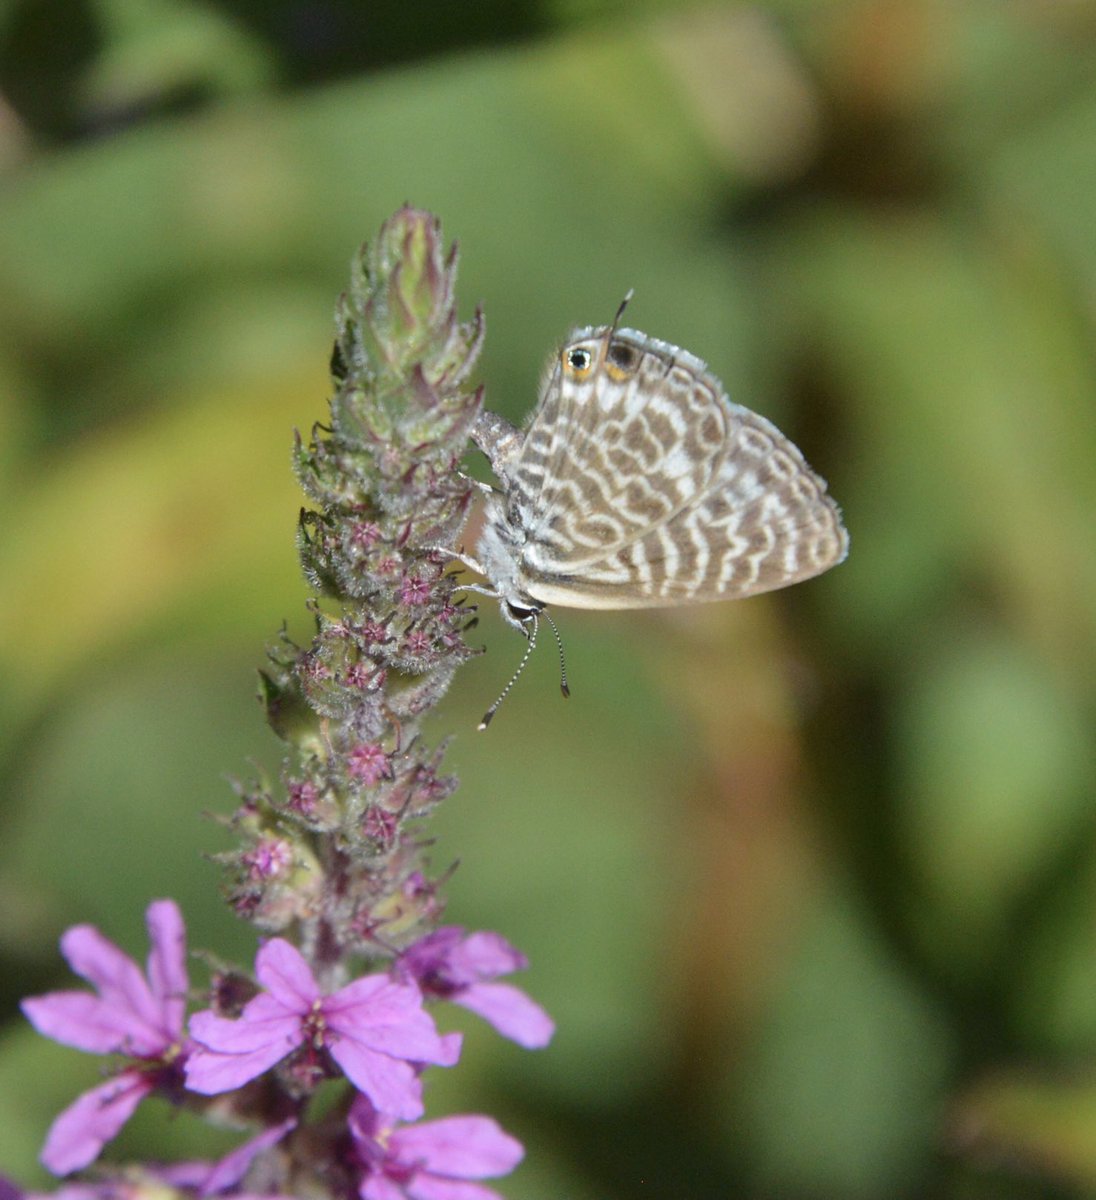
(374, 1031)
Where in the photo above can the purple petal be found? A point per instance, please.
(370, 988)
(81, 1131)
(468, 1147)
(228, 1054)
(233, 1167)
(382, 1015)
(210, 1073)
(487, 955)
(206, 1179)
(115, 975)
(451, 1046)
(510, 1011)
(432, 952)
(282, 970)
(191, 1174)
(366, 1125)
(431, 1187)
(167, 975)
(391, 1084)
(119, 982)
(446, 961)
(88, 1023)
(263, 1020)
(376, 1187)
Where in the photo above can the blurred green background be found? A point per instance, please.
(808, 882)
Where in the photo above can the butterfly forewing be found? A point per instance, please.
(631, 446)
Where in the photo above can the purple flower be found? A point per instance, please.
(270, 857)
(365, 534)
(414, 591)
(303, 797)
(452, 966)
(374, 1028)
(369, 763)
(430, 1161)
(142, 1020)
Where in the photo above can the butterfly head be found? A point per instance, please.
(589, 352)
(606, 348)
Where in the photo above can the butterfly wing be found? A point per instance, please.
(668, 493)
(609, 459)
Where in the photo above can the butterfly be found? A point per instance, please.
(638, 483)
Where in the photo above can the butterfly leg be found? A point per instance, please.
(466, 560)
(486, 488)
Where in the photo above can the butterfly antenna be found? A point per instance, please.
(513, 678)
(562, 665)
(620, 312)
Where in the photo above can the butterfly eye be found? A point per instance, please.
(579, 360)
